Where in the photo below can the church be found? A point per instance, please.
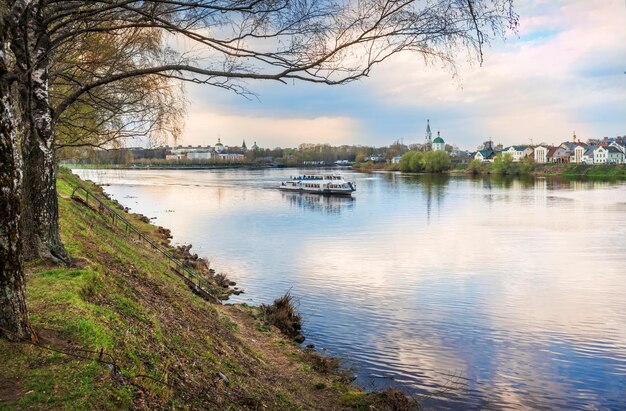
(438, 144)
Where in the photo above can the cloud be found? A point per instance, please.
(563, 72)
(566, 65)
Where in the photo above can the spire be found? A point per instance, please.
(243, 145)
(428, 139)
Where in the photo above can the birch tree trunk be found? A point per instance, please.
(14, 324)
(41, 208)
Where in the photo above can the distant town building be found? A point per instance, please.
(518, 153)
(230, 157)
(620, 145)
(615, 155)
(485, 155)
(541, 154)
(607, 155)
(578, 152)
(438, 143)
(219, 147)
(428, 138)
(375, 159)
(177, 157)
(199, 155)
(588, 157)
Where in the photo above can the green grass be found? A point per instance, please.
(124, 306)
(596, 170)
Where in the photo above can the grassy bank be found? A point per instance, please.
(610, 171)
(119, 330)
(596, 171)
(531, 169)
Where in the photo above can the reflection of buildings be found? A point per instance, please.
(433, 188)
(317, 202)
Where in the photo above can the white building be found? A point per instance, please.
(614, 155)
(199, 155)
(232, 157)
(600, 155)
(485, 155)
(608, 155)
(578, 153)
(620, 146)
(438, 143)
(219, 147)
(541, 154)
(518, 152)
(175, 156)
(588, 155)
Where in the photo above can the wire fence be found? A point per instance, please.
(199, 285)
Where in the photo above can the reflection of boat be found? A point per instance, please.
(319, 184)
(315, 202)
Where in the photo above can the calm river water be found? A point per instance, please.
(476, 293)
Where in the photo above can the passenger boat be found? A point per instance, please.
(319, 184)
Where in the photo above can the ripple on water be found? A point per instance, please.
(474, 293)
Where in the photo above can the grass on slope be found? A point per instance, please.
(121, 331)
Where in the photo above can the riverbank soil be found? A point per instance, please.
(119, 330)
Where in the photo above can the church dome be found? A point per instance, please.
(219, 147)
(438, 140)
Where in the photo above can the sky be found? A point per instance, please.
(563, 72)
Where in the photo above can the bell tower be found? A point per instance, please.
(428, 139)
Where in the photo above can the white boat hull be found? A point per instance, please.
(345, 192)
(319, 184)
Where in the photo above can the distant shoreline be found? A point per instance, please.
(614, 171)
(164, 167)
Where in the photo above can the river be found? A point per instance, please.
(485, 293)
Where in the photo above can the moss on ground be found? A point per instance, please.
(120, 331)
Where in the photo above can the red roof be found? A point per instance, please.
(551, 151)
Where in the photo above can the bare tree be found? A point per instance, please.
(237, 41)
(222, 43)
(151, 106)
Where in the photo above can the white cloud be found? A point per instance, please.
(532, 87)
(564, 73)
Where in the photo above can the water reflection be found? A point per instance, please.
(319, 203)
(498, 293)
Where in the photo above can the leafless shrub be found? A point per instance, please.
(282, 314)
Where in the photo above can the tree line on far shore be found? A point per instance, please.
(425, 162)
